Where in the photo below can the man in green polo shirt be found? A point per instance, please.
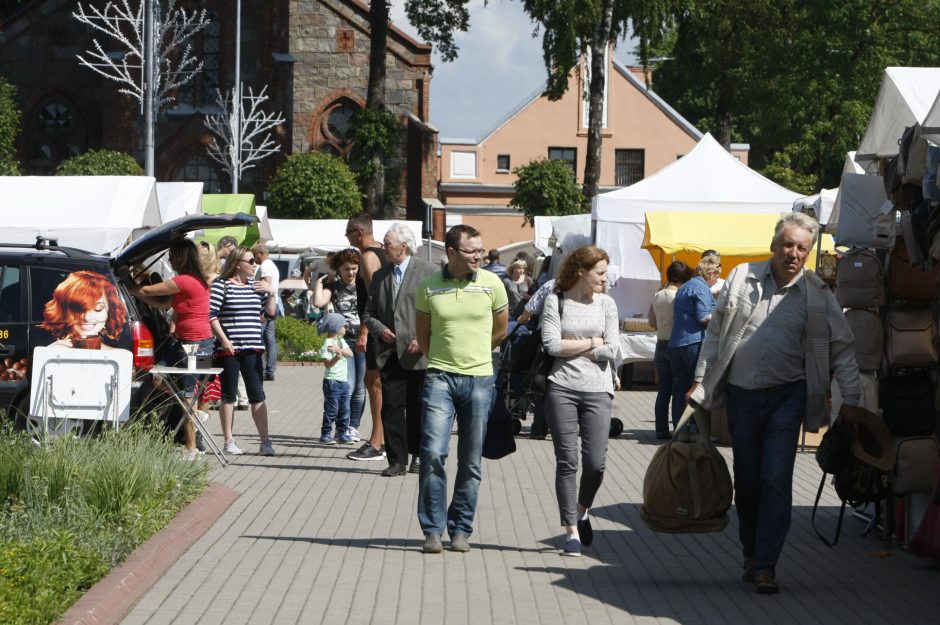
(461, 316)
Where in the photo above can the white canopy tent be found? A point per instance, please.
(264, 225)
(904, 99)
(322, 235)
(707, 179)
(94, 213)
(177, 199)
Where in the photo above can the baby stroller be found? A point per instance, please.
(515, 353)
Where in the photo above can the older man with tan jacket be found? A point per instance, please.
(775, 335)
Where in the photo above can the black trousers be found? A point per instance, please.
(401, 410)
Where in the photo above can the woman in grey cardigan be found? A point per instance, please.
(583, 339)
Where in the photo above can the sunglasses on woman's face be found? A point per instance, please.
(250, 261)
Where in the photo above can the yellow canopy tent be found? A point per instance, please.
(738, 237)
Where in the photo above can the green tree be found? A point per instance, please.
(574, 28)
(100, 163)
(546, 187)
(795, 77)
(438, 20)
(314, 185)
(9, 128)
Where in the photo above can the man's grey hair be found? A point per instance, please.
(404, 235)
(793, 219)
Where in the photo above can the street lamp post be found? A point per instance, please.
(237, 104)
(149, 88)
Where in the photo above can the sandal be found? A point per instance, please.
(766, 584)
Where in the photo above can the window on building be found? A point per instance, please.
(57, 135)
(567, 155)
(199, 169)
(463, 165)
(629, 166)
(201, 90)
(502, 162)
(336, 127)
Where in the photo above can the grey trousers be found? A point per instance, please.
(568, 412)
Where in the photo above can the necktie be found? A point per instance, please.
(397, 282)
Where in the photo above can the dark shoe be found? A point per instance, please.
(586, 532)
(415, 465)
(766, 583)
(367, 453)
(268, 377)
(459, 543)
(432, 544)
(241, 406)
(663, 435)
(748, 575)
(394, 470)
(572, 548)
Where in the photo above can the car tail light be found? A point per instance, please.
(142, 346)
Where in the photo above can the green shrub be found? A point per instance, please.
(546, 187)
(100, 163)
(313, 185)
(297, 340)
(74, 508)
(9, 128)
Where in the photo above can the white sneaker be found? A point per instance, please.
(267, 449)
(231, 449)
(353, 433)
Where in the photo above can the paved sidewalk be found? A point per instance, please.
(317, 538)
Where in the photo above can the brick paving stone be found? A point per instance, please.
(317, 538)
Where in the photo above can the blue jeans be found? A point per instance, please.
(335, 406)
(270, 347)
(356, 379)
(470, 398)
(664, 392)
(765, 429)
(682, 365)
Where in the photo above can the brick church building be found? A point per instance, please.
(313, 55)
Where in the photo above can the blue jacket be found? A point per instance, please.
(694, 302)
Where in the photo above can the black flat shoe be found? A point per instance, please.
(586, 532)
(415, 465)
(395, 470)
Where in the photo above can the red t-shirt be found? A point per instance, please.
(191, 306)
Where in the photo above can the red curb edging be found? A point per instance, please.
(112, 598)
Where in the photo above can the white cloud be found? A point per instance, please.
(499, 65)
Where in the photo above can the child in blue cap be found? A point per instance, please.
(334, 353)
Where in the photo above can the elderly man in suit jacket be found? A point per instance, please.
(390, 316)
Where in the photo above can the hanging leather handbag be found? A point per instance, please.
(910, 338)
(907, 403)
(868, 330)
(860, 279)
(905, 281)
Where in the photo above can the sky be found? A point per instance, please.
(499, 66)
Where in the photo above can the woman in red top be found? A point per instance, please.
(187, 294)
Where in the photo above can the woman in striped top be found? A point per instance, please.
(236, 304)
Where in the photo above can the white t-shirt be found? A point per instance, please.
(269, 270)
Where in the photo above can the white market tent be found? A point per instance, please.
(178, 199)
(322, 235)
(904, 99)
(707, 179)
(264, 225)
(94, 213)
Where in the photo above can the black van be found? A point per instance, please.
(41, 289)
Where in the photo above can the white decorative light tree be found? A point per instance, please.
(149, 73)
(237, 131)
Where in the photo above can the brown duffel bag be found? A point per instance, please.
(687, 488)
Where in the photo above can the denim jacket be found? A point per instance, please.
(693, 304)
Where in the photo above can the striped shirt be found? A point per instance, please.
(238, 309)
